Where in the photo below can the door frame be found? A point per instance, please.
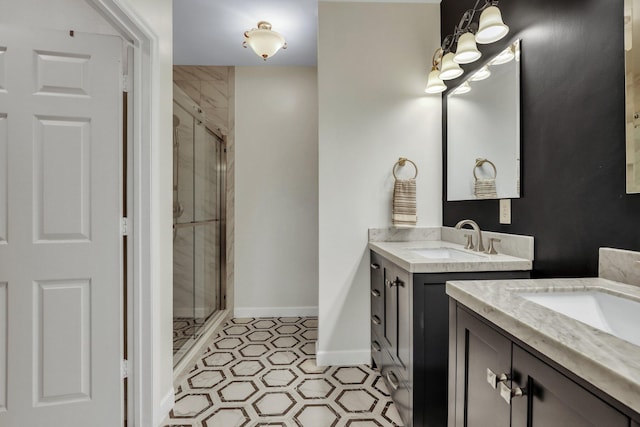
(143, 410)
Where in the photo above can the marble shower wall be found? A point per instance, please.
(209, 88)
(213, 89)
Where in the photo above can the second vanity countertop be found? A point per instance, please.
(602, 359)
(404, 255)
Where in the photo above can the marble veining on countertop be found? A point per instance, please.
(604, 360)
(399, 245)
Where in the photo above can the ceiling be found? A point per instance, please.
(210, 32)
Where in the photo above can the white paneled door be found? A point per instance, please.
(60, 242)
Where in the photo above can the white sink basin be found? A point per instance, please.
(610, 313)
(446, 253)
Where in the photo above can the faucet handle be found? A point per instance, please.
(469, 244)
(491, 250)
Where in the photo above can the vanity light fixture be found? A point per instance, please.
(263, 40)
(460, 46)
(467, 51)
(481, 74)
(434, 82)
(450, 70)
(505, 56)
(463, 88)
(491, 28)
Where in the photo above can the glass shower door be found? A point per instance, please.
(198, 218)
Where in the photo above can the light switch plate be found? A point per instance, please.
(505, 211)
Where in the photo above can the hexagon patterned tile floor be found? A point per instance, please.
(263, 372)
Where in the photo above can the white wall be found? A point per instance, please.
(373, 60)
(276, 191)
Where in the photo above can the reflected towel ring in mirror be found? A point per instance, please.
(401, 162)
(479, 163)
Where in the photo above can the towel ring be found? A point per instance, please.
(401, 162)
(479, 163)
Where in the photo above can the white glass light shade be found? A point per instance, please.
(463, 88)
(264, 42)
(491, 27)
(450, 70)
(481, 74)
(503, 57)
(435, 83)
(467, 51)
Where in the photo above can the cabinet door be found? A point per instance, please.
(404, 320)
(480, 348)
(391, 308)
(553, 400)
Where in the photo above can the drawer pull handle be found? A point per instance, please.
(375, 346)
(396, 282)
(508, 393)
(375, 292)
(493, 379)
(376, 320)
(393, 382)
(375, 266)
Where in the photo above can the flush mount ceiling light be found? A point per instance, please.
(263, 40)
(460, 46)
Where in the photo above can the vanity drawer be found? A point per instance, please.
(377, 302)
(377, 284)
(399, 389)
(376, 352)
(377, 326)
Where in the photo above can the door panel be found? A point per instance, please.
(62, 73)
(404, 322)
(3, 347)
(62, 349)
(390, 308)
(3, 169)
(554, 400)
(477, 402)
(62, 179)
(60, 209)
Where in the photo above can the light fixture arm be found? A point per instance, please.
(437, 59)
(466, 24)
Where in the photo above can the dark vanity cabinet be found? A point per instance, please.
(497, 382)
(410, 336)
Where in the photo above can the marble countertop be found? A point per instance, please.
(403, 254)
(609, 363)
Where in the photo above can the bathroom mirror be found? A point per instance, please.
(632, 98)
(483, 131)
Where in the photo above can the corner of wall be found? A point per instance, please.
(166, 404)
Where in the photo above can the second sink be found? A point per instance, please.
(613, 314)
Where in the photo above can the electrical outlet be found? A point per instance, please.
(505, 211)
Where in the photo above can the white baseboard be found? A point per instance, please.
(275, 312)
(166, 404)
(343, 358)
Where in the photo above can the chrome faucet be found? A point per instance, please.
(472, 223)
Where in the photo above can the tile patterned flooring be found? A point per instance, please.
(262, 372)
(184, 329)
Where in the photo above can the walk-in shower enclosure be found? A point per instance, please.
(199, 168)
